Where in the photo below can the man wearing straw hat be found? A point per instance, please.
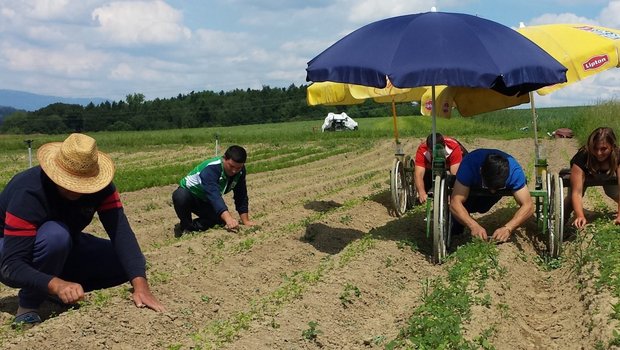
(43, 211)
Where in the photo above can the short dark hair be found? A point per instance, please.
(494, 171)
(236, 153)
(439, 139)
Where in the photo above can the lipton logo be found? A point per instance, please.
(446, 107)
(428, 105)
(595, 62)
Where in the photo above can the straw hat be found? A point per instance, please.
(76, 164)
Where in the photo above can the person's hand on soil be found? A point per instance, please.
(479, 231)
(143, 297)
(422, 197)
(249, 223)
(502, 234)
(68, 292)
(232, 225)
(580, 222)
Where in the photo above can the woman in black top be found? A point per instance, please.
(597, 160)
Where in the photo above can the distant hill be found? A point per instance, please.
(4, 111)
(32, 102)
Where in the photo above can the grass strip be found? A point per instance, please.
(604, 252)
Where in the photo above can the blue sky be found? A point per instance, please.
(109, 49)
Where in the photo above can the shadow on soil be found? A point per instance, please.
(47, 310)
(412, 228)
(322, 206)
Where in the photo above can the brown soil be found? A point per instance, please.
(312, 223)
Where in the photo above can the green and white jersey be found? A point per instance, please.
(208, 181)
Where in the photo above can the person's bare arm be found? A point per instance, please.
(460, 193)
(418, 180)
(577, 179)
(454, 168)
(525, 211)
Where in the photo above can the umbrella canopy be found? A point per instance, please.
(330, 93)
(437, 48)
(468, 101)
(584, 49)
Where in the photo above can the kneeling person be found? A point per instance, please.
(200, 192)
(493, 170)
(423, 175)
(43, 212)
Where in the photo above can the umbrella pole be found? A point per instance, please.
(399, 150)
(433, 116)
(438, 164)
(535, 125)
(541, 160)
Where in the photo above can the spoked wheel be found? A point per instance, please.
(555, 224)
(398, 188)
(440, 219)
(411, 191)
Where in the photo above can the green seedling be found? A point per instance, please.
(312, 332)
(346, 297)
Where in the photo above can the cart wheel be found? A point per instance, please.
(397, 188)
(411, 191)
(556, 215)
(440, 219)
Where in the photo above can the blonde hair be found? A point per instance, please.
(602, 134)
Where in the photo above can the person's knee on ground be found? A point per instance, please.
(182, 202)
(52, 247)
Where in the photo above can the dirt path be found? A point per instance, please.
(259, 289)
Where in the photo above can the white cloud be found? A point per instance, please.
(560, 18)
(610, 15)
(366, 11)
(122, 71)
(70, 61)
(7, 12)
(45, 9)
(141, 22)
(601, 87)
(220, 43)
(46, 33)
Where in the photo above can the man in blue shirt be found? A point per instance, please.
(43, 212)
(492, 170)
(200, 192)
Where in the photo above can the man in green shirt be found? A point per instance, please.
(201, 191)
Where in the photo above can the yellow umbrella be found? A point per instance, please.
(584, 49)
(468, 101)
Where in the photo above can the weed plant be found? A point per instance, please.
(312, 332)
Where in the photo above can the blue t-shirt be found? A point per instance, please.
(469, 170)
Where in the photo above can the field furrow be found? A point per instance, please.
(328, 266)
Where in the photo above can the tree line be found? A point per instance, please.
(192, 110)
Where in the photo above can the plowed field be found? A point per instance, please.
(326, 250)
